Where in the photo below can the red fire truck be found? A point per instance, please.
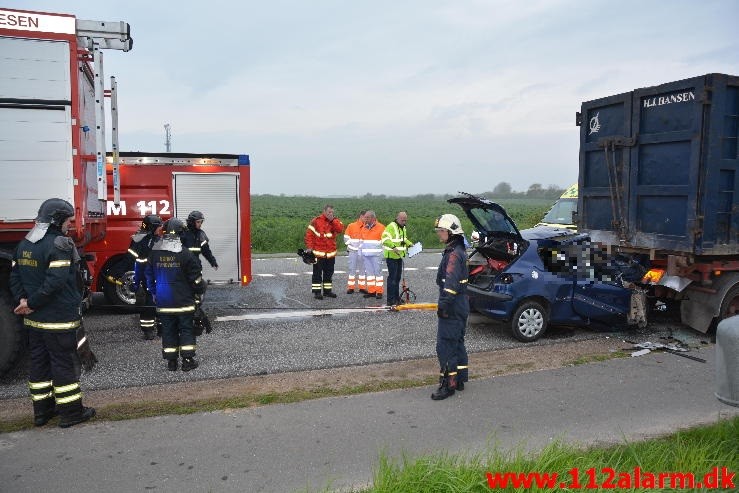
(169, 184)
(52, 123)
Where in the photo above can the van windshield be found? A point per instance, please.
(561, 212)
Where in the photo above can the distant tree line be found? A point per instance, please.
(502, 190)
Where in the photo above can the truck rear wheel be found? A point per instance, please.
(730, 304)
(118, 282)
(11, 334)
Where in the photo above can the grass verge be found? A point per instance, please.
(149, 408)
(696, 451)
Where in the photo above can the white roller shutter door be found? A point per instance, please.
(217, 197)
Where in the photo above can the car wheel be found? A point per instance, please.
(529, 322)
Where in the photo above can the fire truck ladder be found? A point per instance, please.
(97, 36)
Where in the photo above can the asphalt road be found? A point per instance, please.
(275, 325)
(336, 442)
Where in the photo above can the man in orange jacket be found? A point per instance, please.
(320, 238)
(371, 251)
(353, 241)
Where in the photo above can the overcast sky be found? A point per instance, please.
(394, 97)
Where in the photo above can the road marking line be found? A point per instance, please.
(301, 313)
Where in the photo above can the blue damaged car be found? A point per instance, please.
(540, 276)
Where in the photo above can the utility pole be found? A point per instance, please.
(168, 137)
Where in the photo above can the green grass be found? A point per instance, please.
(594, 358)
(149, 408)
(278, 223)
(697, 451)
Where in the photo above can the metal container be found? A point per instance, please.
(659, 167)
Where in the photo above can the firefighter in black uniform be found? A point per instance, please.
(173, 277)
(45, 283)
(196, 240)
(453, 308)
(141, 244)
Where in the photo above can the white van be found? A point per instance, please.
(560, 215)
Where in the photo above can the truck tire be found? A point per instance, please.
(119, 290)
(11, 334)
(730, 304)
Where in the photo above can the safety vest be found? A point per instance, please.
(394, 236)
(372, 240)
(352, 235)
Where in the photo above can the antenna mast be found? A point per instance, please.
(168, 137)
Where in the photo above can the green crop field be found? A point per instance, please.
(279, 222)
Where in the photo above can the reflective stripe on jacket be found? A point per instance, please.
(394, 236)
(46, 273)
(352, 235)
(372, 240)
(321, 236)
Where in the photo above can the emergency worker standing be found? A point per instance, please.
(46, 284)
(453, 308)
(353, 242)
(174, 277)
(195, 239)
(371, 250)
(320, 239)
(395, 244)
(141, 244)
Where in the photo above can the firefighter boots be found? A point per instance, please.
(446, 389)
(84, 415)
(172, 365)
(149, 334)
(318, 296)
(329, 294)
(189, 364)
(43, 418)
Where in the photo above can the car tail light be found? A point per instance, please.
(653, 276)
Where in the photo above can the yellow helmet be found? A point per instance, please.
(449, 222)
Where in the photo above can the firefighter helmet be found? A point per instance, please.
(194, 216)
(151, 223)
(55, 211)
(174, 226)
(449, 222)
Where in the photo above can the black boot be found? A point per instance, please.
(84, 415)
(149, 334)
(172, 365)
(43, 418)
(329, 294)
(189, 364)
(445, 390)
(318, 295)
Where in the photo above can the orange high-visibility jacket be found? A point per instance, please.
(371, 240)
(321, 236)
(352, 238)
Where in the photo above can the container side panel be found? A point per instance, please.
(663, 164)
(598, 212)
(668, 112)
(730, 134)
(662, 215)
(604, 121)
